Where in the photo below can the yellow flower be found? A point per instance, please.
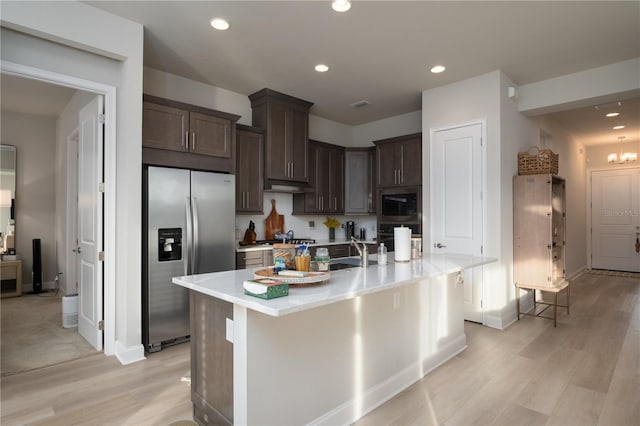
(331, 222)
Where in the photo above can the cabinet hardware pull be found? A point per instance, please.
(439, 245)
(186, 140)
(193, 140)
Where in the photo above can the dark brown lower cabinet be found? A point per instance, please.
(211, 360)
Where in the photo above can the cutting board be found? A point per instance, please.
(273, 223)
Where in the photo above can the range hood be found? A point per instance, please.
(286, 187)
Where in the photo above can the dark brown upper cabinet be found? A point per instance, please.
(182, 135)
(399, 161)
(326, 170)
(286, 123)
(249, 169)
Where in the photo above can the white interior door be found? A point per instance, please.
(456, 204)
(73, 263)
(615, 219)
(90, 204)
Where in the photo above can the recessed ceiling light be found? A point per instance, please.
(341, 5)
(613, 114)
(219, 24)
(322, 68)
(618, 127)
(437, 69)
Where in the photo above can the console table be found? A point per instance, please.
(10, 278)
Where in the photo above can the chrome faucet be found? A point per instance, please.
(362, 251)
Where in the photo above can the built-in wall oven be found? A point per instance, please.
(399, 207)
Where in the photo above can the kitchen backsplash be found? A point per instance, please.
(300, 224)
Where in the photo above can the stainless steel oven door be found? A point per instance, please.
(400, 205)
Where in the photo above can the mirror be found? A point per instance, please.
(7, 197)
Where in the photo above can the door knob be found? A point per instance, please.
(78, 250)
(439, 245)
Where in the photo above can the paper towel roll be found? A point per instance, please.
(402, 244)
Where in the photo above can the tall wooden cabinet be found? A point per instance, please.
(326, 179)
(286, 123)
(399, 161)
(539, 230)
(249, 169)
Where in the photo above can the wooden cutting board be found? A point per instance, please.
(273, 223)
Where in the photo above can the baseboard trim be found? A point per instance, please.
(493, 321)
(578, 273)
(352, 410)
(47, 285)
(127, 355)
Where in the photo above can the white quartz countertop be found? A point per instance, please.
(343, 285)
(318, 243)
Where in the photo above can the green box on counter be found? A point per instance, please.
(266, 288)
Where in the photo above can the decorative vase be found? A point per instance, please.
(332, 234)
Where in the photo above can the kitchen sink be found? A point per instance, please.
(347, 263)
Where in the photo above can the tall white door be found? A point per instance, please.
(615, 219)
(73, 263)
(456, 204)
(90, 204)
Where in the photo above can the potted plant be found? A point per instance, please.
(332, 223)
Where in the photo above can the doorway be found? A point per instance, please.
(615, 219)
(457, 207)
(105, 325)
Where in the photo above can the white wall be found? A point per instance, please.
(97, 46)
(176, 88)
(508, 132)
(608, 83)
(597, 154)
(399, 125)
(517, 133)
(170, 86)
(34, 139)
(470, 100)
(66, 124)
(573, 169)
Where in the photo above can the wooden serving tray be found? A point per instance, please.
(313, 277)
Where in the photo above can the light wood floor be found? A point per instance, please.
(586, 371)
(33, 335)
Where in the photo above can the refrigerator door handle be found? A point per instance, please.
(194, 215)
(187, 244)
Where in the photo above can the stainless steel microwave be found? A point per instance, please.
(400, 205)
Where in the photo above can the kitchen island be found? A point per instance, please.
(328, 353)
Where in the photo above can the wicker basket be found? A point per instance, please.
(538, 161)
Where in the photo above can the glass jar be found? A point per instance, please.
(322, 259)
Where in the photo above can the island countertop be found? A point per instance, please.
(344, 284)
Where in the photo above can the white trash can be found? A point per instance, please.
(70, 311)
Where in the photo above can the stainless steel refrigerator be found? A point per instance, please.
(189, 229)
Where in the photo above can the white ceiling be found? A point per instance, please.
(381, 51)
